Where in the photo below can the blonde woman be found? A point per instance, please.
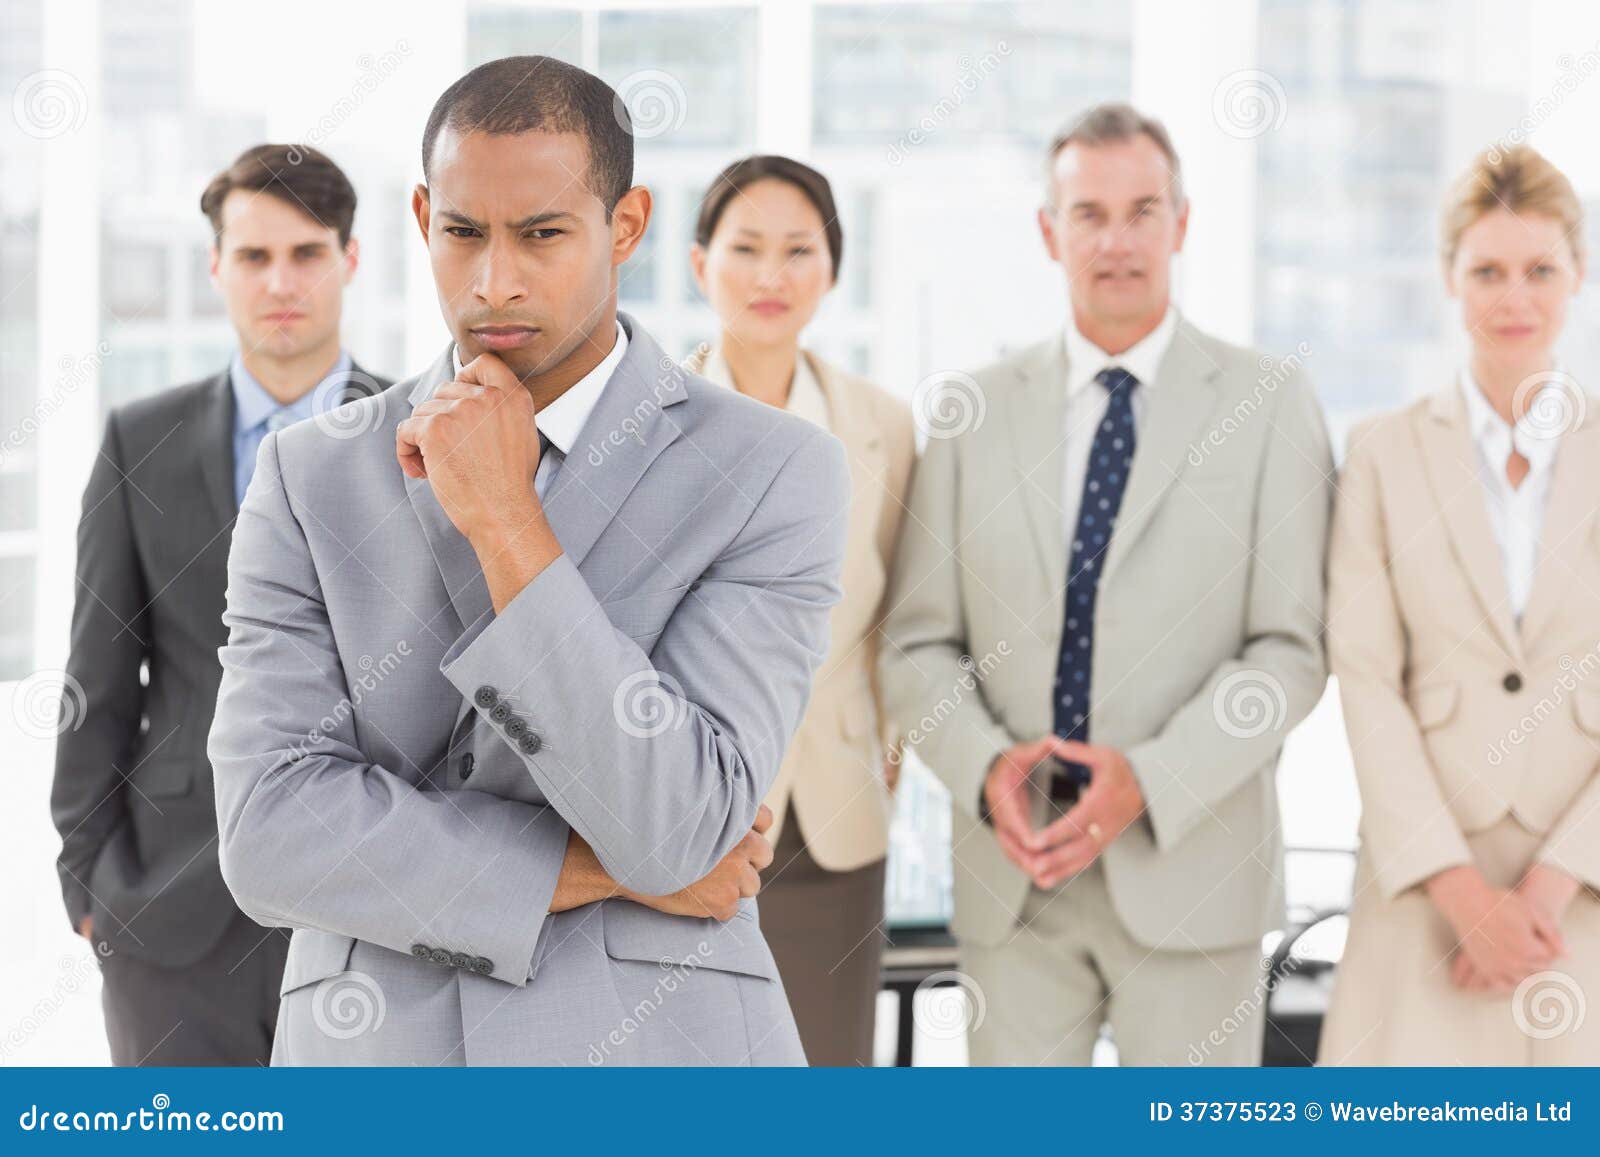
(1464, 602)
(767, 249)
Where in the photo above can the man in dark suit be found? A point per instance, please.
(188, 979)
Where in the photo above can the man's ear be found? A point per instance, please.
(420, 208)
(352, 259)
(1183, 226)
(629, 219)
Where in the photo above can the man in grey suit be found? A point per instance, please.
(1107, 613)
(508, 675)
(187, 978)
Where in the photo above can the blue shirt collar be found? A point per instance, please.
(253, 405)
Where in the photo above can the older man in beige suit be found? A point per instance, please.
(1125, 556)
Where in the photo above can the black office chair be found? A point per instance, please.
(1297, 997)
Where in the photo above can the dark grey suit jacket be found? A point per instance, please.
(132, 796)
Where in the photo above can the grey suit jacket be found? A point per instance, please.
(132, 790)
(398, 767)
(1208, 627)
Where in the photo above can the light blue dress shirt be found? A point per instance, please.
(255, 412)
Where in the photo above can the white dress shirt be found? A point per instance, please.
(1516, 514)
(806, 398)
(562, 420)
(1086, 401)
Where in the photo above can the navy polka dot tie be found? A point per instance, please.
(1104, 483)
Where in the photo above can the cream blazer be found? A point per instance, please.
(834, 770)
(1458, 715)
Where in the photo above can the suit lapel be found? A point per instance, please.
(1181, 399)
(1451, 461)
(1038, 431)
(1564, 548)
(629, 426)
(215, 430)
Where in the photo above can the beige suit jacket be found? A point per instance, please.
(1208, 627)
(1459, 715)
(834, 770)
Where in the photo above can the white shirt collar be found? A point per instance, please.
(562, 420)
(1496, 438)
(1085, 360)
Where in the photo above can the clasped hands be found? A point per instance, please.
(1067, 846)
(1503, 935)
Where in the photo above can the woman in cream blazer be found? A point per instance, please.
(766, 250)
(1464, 628)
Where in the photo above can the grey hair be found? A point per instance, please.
(1107, 123)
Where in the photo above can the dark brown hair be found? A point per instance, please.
(296, 174)
(743, 173)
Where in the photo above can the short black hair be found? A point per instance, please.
(740, 175)
(539, 94)
(298, 175)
